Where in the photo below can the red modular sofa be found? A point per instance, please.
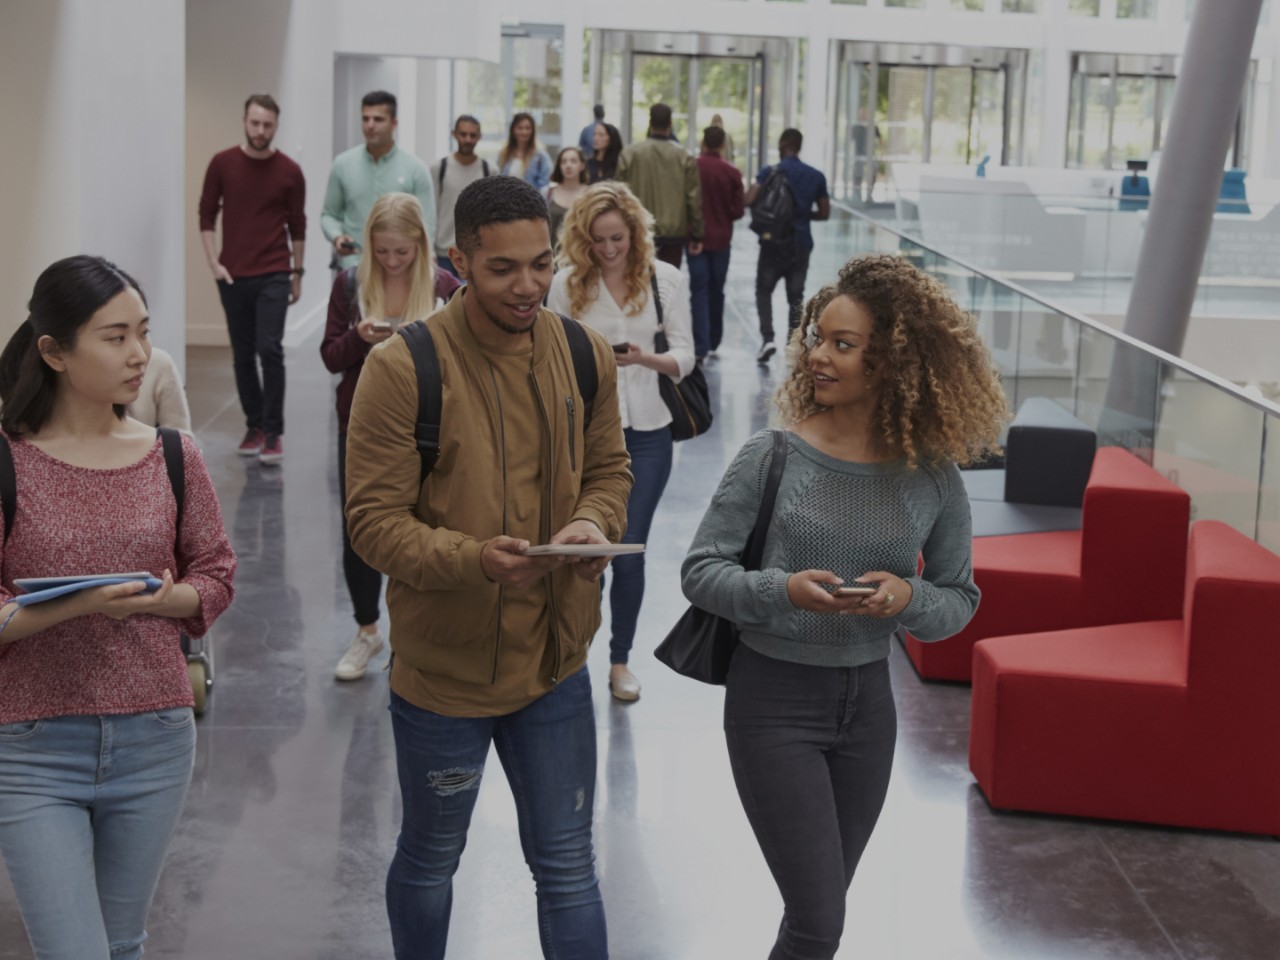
(1167, 721)
(1126, 563)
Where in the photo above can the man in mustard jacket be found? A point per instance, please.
(490, 645)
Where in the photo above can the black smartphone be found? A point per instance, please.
(350, 246)
(621, 347)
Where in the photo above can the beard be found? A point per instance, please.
(258, 143)
(506, 327)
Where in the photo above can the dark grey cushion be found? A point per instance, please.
(1048, 456)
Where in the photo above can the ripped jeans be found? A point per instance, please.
(548, 751)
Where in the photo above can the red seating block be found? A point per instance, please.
(1126, 563)
(1166, 721)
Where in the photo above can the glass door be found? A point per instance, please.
(726, 89)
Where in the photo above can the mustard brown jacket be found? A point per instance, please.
(459, 649)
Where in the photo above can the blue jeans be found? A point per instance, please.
(88, 806)
(707, 274)
(548, 750)
(651, 467)
(255, 309)
(811, 750)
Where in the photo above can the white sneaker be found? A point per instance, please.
(766, 352)
(355, 661)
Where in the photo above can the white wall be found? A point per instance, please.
(92, 159)
(291, 48)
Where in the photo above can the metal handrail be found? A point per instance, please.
(1266, 406)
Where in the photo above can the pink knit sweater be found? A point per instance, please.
(78, 520)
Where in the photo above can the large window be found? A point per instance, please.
(1120, 108)
(527, 80)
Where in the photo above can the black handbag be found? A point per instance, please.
(701, 644)
(689, 400)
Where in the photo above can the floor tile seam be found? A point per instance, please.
(204, 427)
(1101, 841)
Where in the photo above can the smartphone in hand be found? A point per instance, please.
(621, 348)
(858, 590)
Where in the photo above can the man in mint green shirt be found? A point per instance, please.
(362, 174)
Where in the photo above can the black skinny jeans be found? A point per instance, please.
(363, 582)
(811, 750)
(255, 309)
(790, 266)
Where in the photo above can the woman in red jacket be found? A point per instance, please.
(397, 281)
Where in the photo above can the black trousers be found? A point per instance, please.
(790, 264)
(255, 309)
(811, 750)
(363, 582)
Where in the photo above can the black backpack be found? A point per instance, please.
(773, 215)
(426, 363)
(170, 440)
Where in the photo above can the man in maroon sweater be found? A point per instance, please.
(721, 206)
(261, 194)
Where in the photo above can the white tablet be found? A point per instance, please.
(584, 549)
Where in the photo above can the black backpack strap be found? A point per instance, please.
(8, 486)
(484, 167)
(444, 162)
(171, 441)
(584, 365)
(426, 364)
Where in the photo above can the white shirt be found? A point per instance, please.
(641, 404)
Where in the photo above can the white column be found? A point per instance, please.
(571, 117)
(1056, 97)
(816, 132)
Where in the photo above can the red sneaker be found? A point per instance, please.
(272, 449)
(251, 445)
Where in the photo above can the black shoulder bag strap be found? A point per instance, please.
(753, 553)
(659, 338)
(170, 441)
(444, 161)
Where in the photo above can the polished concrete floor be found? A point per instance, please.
(292, 815)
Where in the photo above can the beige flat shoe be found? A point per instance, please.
(624, 685)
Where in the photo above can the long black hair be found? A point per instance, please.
(66, 295)
(606, 166)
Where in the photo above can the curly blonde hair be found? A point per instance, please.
(940, 395)
(583, 284)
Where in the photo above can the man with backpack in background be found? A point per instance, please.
(450, 176)
(489, 427)
(782, 202)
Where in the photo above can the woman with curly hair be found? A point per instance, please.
(607, 280)
(890, 390)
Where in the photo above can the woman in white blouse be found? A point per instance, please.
(606, 279)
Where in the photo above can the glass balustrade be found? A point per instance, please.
(1214, 439)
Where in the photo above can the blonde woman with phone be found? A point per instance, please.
(396, 281)
(607, 280)
(890, 389)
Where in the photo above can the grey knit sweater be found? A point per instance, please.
(850, 518)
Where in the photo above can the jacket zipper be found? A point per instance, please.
(573, 456)
(502, 436)
(546, 529)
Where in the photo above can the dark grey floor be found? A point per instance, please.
(292, 814)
